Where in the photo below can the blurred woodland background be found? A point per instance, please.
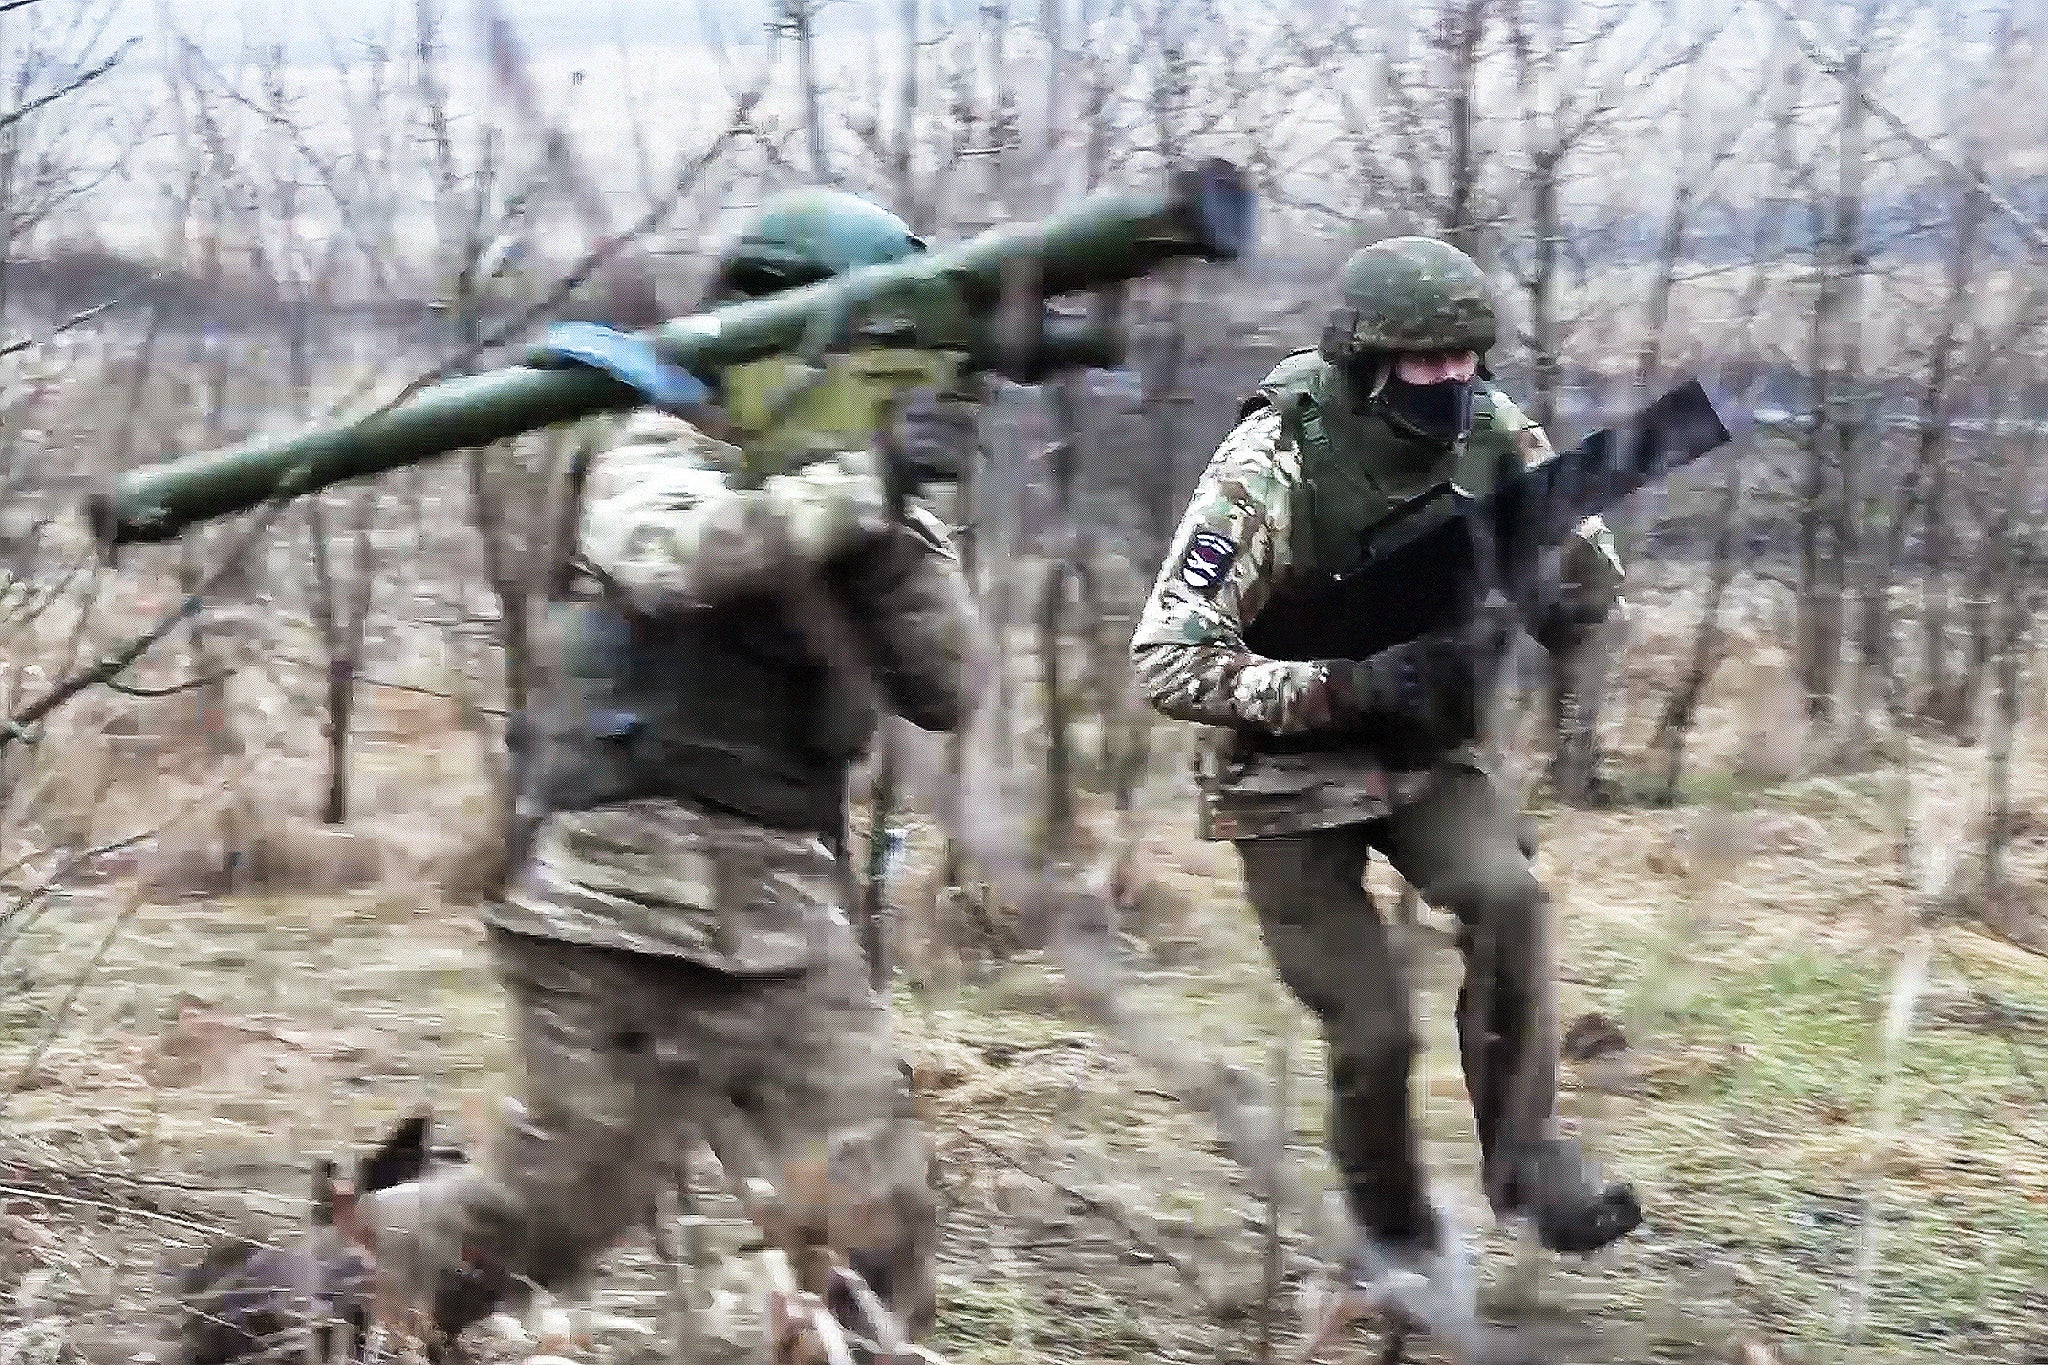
(1802, 948)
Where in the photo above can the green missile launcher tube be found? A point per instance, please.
(982, 301)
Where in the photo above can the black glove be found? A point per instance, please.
(1426, 689)
(935, 437)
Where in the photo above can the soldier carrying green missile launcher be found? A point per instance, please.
(674, 946)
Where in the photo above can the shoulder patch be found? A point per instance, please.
(1208, 558)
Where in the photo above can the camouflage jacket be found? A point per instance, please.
(1246, 535)
(663, 526)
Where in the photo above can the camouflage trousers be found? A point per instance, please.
(790, 1078)
(1456, 843)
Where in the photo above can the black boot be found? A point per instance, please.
(1551, 1184)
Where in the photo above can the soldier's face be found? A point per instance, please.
(1429, 393)
(1436, 367)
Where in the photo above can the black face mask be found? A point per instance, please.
(1435, 412)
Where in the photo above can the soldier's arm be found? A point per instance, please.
(1189, 653)
(911, 605)
(662, 522)
(1592, 579)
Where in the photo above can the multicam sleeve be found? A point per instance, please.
(662, 521)
(1189, 653)
(912, 606)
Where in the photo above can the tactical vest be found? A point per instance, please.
(724, 707)
(1357, 473)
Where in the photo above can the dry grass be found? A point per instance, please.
(1746, 945)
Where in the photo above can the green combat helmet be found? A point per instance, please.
(1410, 294)
(803, 236)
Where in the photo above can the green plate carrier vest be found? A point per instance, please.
(1334, 605)
(724, 707)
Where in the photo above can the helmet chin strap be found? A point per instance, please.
(1383, 370)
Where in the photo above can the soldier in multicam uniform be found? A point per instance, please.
(1318, 761)
(674, 945)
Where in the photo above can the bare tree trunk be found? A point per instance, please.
(1002, 121)
(341, 691)
(462, 208)
(1977, 613)
(1055, 687)
(1936, 413)
(1000, 603)
(1851, 573)
(1545, 363)
(1819, 597)
(2014, 627)
(1674, 727)
(874, 907)
(10, 159)
(969, 543)
(1657, 311)
(1052, 19)
(798, 17)
(1462, 25)
(904, 170)
(1937, 591)
(211, 698)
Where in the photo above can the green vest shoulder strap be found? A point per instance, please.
(1339, 500)
(1293, 389)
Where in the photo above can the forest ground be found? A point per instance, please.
(1812, 1193)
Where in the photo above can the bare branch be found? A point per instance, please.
(21, 344)
(72, 86)
(20, 725)
(1834, 67)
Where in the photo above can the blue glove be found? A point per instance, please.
(626, 357)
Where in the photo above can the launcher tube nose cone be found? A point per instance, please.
(1222, 207)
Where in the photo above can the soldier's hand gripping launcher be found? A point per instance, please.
(858, 340)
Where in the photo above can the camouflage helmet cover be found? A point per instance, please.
(1410, 294)
(803, 236)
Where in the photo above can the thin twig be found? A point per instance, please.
(1107, 1211)
(151, 693)
(18, 726)
(62, 1013)
(29, 1192)
(84, 315)
(22, 915)
(75, 84)
(1832, 66)
(70, 863)
(598, 254)
(1276, 1252)
(2002, 1026)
